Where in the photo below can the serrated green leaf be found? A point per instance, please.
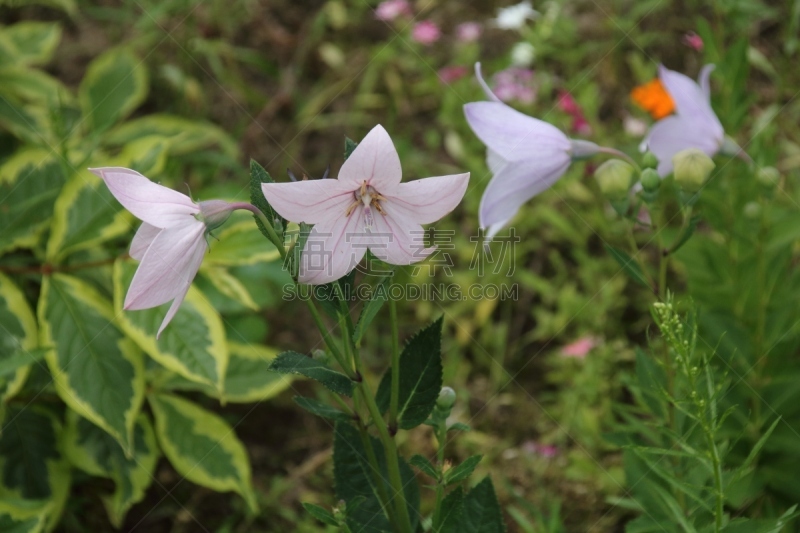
(349, 146)
(321, 514)
(193, 345)
(114, 85)
(33, 42)
(30, 181)
(424, 465)
(92, 450)
(321, 409)
(258, 176)
(96, 370)
(451, 512)
(462, 471)
(482, 513)
(420, 377)
(18, 338)
(371, 308)
(85, 214)
(202, 446)
(629, 266)
(296, 363)
(186, 136)
(354, 480)
(240, 244)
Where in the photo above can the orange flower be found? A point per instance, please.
(654, 98)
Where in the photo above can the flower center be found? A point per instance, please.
(368, 196)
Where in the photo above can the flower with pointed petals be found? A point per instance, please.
(525, 155)
(693, 123)
(171, 241)
(366, 207)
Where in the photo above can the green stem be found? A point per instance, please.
(441, 435)
(328, 340)
(377, 476)
(395, 393)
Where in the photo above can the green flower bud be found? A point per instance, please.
(446, 399)
(692, 167)
(752, 210)
(649, 160)
(768, 176)
(214, 213)
(615, 178)
(651, 181)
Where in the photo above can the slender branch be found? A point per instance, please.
(395, 392)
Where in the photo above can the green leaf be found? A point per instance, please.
(96, 370)
(148, 155)
(371, 308)
(114, 85)
(202, 446)
(32, 86)
(65, 5)
(462, 471)
(482, 513)
(321, 514)
(29, 184)
(354, 479)
(18, 338)
(420, 377)
(686, 235)
(451, 512)
(258, 176)
(248, 378)
(85, 215)
(321, 409)
(193, 345)
(630, 266)
(33, 43)
(27, 122)
(186, 136)
(459, 426)
(240, 244)
(296, 251)
(424, 464)
(296, 363)
(35, 478)
(229, 285)
(349, 146)
(92, 450)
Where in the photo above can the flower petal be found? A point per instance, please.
(669, 136)
(429, 199)
(142, 240)
(309, 201)
(155, 204)
(396, 238)
(515, 184)
(168, 266)
(703, 80)
(333, 248)
(374, 160)
(691, 100)
(511, 134)
(193, 267)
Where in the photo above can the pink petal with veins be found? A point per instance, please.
(374, 160)
(429, 199)
(310, 201)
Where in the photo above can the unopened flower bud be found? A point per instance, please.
(649, 160)
(752, 210)
(614, 178)
(651, 181)
(692, 169)
(768, 176)
(214, 213)
(523, 54)
(446, 399)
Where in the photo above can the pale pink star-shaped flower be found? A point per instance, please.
(171, 241)
(365, 208)
(426, 32)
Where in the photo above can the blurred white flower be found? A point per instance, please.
(523, 54)
(635, 127)
(515, 17)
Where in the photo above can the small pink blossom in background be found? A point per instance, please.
(426, 32)
(391, 9)
(548, 451)
(515, 84)
(568, 104)
(452, 73)
(580, 125)
(580, 348)
(693, 41)
(468, 32)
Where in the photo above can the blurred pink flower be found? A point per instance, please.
(548, 451)
(580, 348)
(426, 32)
(468, 32)
(568, 104)
(452, 73)
(693, 41)
(515, 83)
(580, 125)
(391, 9)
